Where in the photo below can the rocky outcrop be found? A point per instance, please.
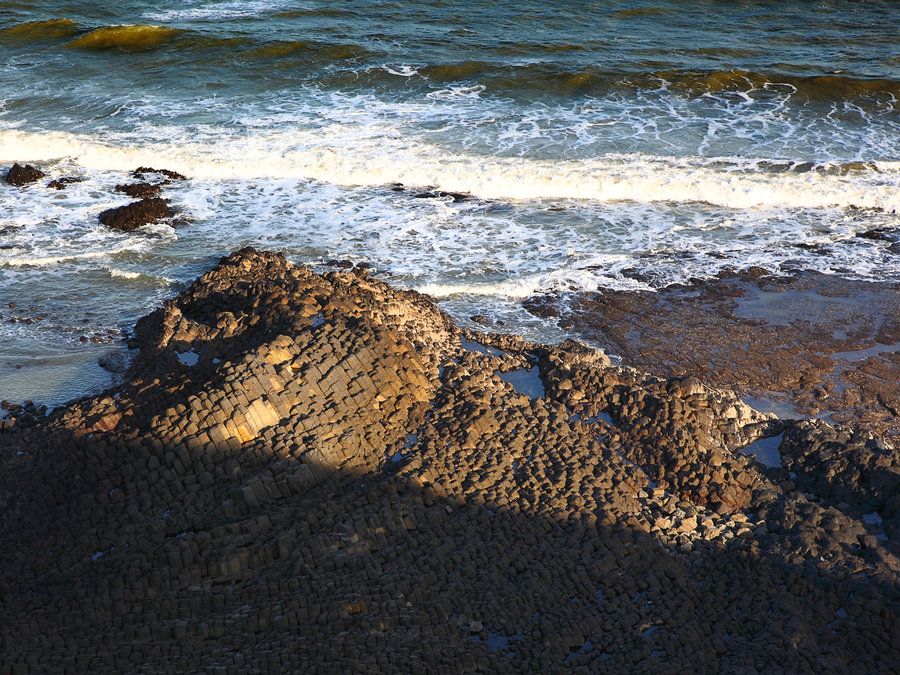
(19, 175)
(64, 182)
(808, 344)
(137, 214)
(141, 172)
(307, 472)
(140, 190)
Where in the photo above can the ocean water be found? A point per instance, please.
(614, 144)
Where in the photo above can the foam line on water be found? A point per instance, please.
(381, 157)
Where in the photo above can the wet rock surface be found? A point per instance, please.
(808, 345)
(64, 182)
(19, 175)
(137, 214)
(142, 171)
(140, 190)
(323, 473)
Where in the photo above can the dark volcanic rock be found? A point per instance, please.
(340, 264)
(454, 197)
(140, 190)
(818, 344)
(19, 175)
(174, 175)
(323, 474)
(137, 214)
(64, 182)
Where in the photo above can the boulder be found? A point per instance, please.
(20, 175)
(137, 214)
(140, 190)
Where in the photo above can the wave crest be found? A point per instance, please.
(550, 78)
(321, 154)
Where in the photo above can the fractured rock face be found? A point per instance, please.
(308, 472)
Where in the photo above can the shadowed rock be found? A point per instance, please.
(137, 214)
(19, 175)
(307, 472)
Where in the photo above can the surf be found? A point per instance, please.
(320, 154)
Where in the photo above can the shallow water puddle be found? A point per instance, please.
(863, 354)
(473, 346)
(527, 382)
(780, 408)
(497, 641)
(188, 358)
(873, 518)
(401, 456)
(766, 450)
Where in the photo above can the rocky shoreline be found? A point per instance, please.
(321, 472)
(802, 344)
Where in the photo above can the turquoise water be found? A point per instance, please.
(615, 144)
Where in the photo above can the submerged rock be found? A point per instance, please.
(19, 175)
(335, 481)
(454, 197)
(141, 170)
(64, 182)
(137, 214)
(140, 190)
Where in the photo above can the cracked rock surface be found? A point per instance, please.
(327, 474)
(809, 344)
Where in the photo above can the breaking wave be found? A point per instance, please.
(336, 158)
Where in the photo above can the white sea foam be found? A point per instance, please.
(216, 11)
(51, 260)
(382, 156)
(124, 274)
(400, 70)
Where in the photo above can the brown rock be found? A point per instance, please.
(19, 175)
(174, 175)
(140, 190)
(64, 182)
(137, 214)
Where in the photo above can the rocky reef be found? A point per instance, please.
(804, 344)
(320, 472)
